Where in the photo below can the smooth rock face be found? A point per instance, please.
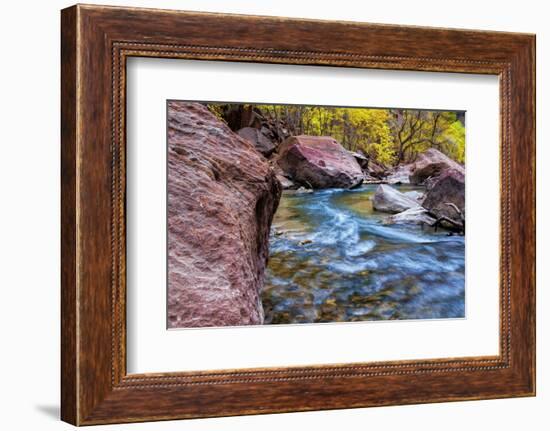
(387, 199)
(319, 162)
(431, 164)
(417, 215)
(222, 195)
(260, 141)
(448, 188)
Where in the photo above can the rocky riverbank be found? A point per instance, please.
(319, 162)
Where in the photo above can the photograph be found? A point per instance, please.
(297, 214)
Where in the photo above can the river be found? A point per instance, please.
(332, 260)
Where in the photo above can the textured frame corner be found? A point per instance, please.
(96, 41)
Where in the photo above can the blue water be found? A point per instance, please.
(332, 260)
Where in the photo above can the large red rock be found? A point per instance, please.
(319, 162)
(222, 195)
(431, 164)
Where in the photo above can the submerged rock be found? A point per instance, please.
(388, 199)
(222, 195)
(416, 215)
(446, 192)
(431, 164)
(260, 141)
(319, 162)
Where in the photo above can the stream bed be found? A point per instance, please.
(333, 260)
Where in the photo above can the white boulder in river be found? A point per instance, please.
(387, 199)
(414, 194)
(417, 215)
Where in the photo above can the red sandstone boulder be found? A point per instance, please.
(319, 162)
(431, 164)
(222, 195)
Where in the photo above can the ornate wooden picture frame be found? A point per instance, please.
(96, 41)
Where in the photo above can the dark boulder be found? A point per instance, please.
(241, 116)
(260, 141)
(446, 196)
(238, 116)
(377, 170)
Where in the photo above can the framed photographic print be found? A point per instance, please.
(266, 215)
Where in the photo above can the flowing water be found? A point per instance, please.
(332, 260)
